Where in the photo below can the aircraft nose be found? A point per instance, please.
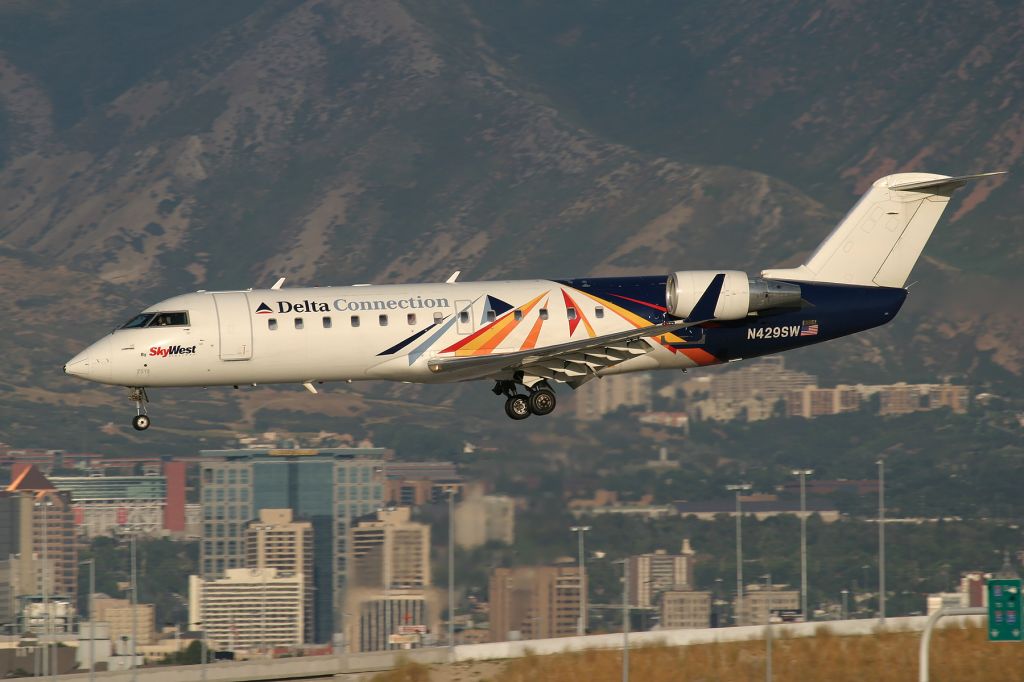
(93, 363)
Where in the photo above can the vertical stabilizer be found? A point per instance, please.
(881, 238)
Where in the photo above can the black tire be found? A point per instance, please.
(542, 402)
(140, 422)
(518, 407)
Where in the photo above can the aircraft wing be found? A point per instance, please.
(576, 362)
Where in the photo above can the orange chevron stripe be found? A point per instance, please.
(700, 356)
(531, 338)
(632, 318)
(499, 335)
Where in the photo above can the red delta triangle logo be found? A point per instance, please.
(264, 309)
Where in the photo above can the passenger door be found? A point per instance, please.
(235, 325)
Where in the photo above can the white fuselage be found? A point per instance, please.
(350, 333)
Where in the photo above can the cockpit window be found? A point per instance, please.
(138, 321)
(179, 319)
(170, 320)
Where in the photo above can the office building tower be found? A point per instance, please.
(39, 536)
(595, 399)
(327, 487)
(759, 602)
(391, 551)
(248, 609)
(119, 615)
(535, 602)
(685, 609)
(276, 541)
(651, 574)
(396, 619)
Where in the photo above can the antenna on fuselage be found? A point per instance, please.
(278, 283)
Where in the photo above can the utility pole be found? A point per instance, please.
(581, 625)
(803, 474)
(738, 488)
(881, 540)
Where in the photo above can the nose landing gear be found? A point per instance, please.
(140, 422)
(540, 400)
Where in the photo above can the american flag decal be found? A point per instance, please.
(809, 328)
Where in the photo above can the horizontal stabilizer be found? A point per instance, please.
(944, 184)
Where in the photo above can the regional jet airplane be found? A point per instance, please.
(527, 335)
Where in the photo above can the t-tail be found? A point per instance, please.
(881, 238)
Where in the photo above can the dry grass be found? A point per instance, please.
(957, 654)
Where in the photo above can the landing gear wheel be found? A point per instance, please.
(140, 422)
(542, 402)
(518, 406)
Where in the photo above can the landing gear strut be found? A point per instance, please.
(140, 422)
(539, 401)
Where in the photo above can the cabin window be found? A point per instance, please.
(599, 312)
(355, 320)
(490, 316)
(327, 322)
(298, 323)
(383, 319)
(438, 318)
(179, 319)
(543, 313)
(464, 316)
(411, 319)
(272, 324)
(571, 312)
(138, 321)
(518, 314)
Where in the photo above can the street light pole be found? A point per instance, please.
(803, 474)
(881, 540)
(738, 488)
(768, 631)
(92, 617)
(451, 574)
(625, 620)
(135, 605)
(581, 625)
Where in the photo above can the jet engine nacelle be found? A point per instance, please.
(741, 295)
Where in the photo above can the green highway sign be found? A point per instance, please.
(1004, 610)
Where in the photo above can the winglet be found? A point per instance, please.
(454, 276)
(708, 302)
(278, 283)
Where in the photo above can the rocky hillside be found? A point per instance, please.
(147, 148)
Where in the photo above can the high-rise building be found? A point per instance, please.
(685, 609)
(535, 602)
(651, 574)
(118, 614)
(248, 609)
(391, 551)
(277, 541)
(327, 487)
(480, 519)
(40, 536)
(595, 399)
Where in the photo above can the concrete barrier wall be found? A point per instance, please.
(356, 664)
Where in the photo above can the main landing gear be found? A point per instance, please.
(140, 422)
(539, 401)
